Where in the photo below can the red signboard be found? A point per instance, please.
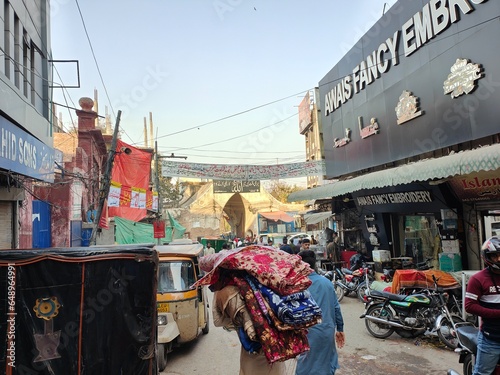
(159, 228)
(477, 186)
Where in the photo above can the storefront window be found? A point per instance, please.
(421, 237)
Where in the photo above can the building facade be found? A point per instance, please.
(26, 151)
(411, 131)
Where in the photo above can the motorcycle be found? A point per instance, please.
(356, 282)
(334, 276)
(467, 348)
(411, 315)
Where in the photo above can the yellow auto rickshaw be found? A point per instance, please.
(182, 309)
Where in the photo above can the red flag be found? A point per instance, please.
(132, 170)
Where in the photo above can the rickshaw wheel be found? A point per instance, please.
(161, 357)
(206, 329)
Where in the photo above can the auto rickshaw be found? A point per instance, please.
(182, 309)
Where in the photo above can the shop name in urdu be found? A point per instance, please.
(395, 198)
(435, 17)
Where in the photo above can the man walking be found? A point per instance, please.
(483, 299)
(322, 358)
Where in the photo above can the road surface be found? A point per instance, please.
(217, 353)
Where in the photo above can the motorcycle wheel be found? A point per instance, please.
(447, 333)
(362, 287)
(379, 330)
(339, 291)
(468, 364)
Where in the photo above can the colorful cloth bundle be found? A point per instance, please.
(272, 285)
(295, 309)
(282, 272)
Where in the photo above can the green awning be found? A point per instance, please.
(485, 158)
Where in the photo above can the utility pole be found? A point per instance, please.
(157, 183)
(106, 180)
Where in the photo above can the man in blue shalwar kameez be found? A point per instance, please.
(322, 359)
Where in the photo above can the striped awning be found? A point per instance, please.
(485, 158)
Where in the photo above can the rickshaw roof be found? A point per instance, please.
(180, 247)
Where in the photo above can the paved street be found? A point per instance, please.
(218, 352)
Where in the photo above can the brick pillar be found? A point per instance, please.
(86, 116)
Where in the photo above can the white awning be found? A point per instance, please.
(461, 163)
(317, 217)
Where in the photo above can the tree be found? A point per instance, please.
(170, 192)
(281, 190)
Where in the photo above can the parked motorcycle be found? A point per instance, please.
(356, 282)
(411, 315)
(467, 348)
(334, 276)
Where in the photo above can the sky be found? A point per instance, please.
(222, 78)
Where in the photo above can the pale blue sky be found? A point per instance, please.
(190, 62)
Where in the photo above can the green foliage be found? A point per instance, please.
(281, 190)
(170, 192)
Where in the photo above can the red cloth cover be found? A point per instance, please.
(131, 171)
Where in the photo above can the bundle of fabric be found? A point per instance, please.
(282, 272)
(273, 309)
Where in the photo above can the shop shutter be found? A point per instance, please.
(6, 224)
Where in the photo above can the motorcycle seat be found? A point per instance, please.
(468, 336)
(387, 295)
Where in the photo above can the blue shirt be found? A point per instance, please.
(322, 359)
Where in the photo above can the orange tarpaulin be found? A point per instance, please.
(421, 279)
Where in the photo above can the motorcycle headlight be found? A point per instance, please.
(162, 320)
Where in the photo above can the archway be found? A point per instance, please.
(234, 211)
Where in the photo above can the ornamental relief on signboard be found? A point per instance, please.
(370, 129)
(462, 79)
(408, 107)
(340, 142)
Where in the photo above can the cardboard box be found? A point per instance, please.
(381, 255)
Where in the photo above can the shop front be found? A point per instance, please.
(410, 131)
(409, 221)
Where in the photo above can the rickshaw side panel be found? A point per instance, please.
(78, 310)
(187, 307)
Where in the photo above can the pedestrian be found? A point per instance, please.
(286, 247)
(313, 240)
(322, 358)
(482, 298)
(209, 249)
(229, 311)
(305, 244)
